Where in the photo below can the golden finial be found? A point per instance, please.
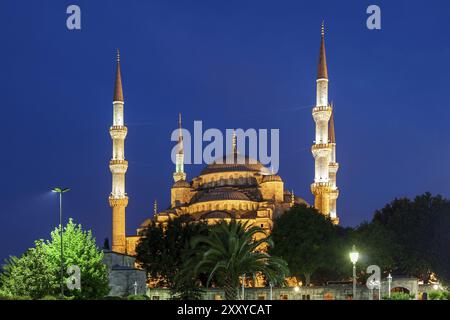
(322, 29)
(234, 142)
(155, 207)
(118, 55)
(292, 197)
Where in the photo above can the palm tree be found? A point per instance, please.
(231, 250)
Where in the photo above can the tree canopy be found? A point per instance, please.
(37, 272)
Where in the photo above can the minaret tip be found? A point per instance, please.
(322, 71)
(118, 92)
(155, 207)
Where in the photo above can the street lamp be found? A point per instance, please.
(271, 291)
(389, 279)
(354, 256)
(61, 191)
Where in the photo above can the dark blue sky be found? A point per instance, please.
(247, 64)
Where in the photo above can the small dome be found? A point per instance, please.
(271, 177)
(181, 184)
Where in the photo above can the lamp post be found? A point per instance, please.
(61, 191)
(389, 279)
(354, 256)
(271, 291)
(243, 286)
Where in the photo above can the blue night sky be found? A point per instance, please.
(232, 64)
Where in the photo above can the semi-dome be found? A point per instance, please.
(238, 163)
(271, 178)
(181, 184)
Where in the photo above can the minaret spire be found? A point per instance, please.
(323, 150)
(118, 92)
(331, 134)
(118, 199)
(322, 71)
(179, 173)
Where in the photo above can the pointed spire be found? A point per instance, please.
(118, 93)
(234, 143)
(180, 136)
(292, 197)
(331, 134)
(322, 71)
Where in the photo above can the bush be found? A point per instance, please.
(48, 297)
(400, 296)
(112, 298)
(446, 295)
(435, 295)
(138, 297)
(22, 298)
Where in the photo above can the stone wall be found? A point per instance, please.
(331, 292)
(123, 275)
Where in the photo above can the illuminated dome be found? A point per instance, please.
(238, 163)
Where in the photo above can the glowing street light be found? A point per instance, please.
(61, 191)
(354, 256)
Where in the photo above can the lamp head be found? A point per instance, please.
(354, 255)
(60, 190)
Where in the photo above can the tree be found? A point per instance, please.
(308, 241)
(80, 250)
(419, 231)
(162, 248)
(30, 275)
(232, 250)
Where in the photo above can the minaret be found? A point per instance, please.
(118, 199)
(322, 148)
(179, 173)
(332, 169)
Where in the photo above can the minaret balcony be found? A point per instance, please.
(118, 132)
(322, 113)
(118, 166)
(333, 167)
(118, 201)
(321, 149)
(321, 187)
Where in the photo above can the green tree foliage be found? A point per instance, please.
(230, 251)
(162, 249)
(30, 275)
(413, 235)
(79, 249)
(310, 244)
(37, 272)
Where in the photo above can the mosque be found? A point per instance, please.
(242, 189)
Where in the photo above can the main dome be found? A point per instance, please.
(237, 163)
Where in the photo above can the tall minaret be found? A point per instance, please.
(118, 199)
(333, 167)
(322, 148)
(179, 173)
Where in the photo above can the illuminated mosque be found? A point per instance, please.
(243, 189)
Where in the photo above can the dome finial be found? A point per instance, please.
(234, 142)
(155, 207)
